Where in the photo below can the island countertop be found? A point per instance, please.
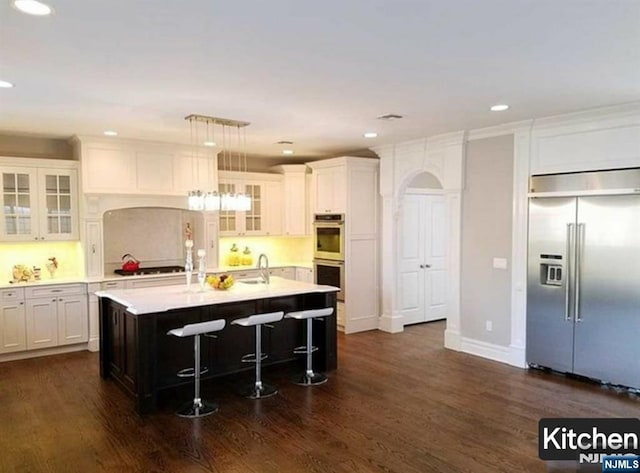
(161, 299)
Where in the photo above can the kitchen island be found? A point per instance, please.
(136, 351)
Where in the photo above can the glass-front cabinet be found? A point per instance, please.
(264, 218)
(18, 201)
(38, 204)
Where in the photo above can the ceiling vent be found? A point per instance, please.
(390, 117)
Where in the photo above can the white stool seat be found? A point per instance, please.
(198, 407)
(198, 329)
(309, 377)
(259, 319)
(258, 390)
(309, 314)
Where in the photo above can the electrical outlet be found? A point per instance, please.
(488, 325)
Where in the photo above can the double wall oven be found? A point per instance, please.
(328, 251)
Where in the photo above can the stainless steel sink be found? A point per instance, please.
(251, 281)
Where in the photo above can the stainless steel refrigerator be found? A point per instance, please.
(583, 291)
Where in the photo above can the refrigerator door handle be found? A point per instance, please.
(567, 284)
(579, 245)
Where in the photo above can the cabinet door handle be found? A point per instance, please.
(60, 300)
(22, 303)
(56, 290)
(212, 244)
(53, 300)
(427, 265)
(93, 248)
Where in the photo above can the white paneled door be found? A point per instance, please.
(422, 279)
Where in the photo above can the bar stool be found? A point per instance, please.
(198, 407)
(309, 378)
(258, 390)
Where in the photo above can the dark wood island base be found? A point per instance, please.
(136, 351)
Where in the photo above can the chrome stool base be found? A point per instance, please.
(193, 410)
(254, 392)
(312, 379)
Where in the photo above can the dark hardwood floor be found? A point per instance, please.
(398, 403)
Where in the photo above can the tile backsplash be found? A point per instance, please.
(154, 236)
(68, 254)
(280, 250)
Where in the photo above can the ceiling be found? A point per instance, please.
(315, 73)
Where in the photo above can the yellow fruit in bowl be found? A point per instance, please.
(224, 281)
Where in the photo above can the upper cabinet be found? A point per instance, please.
(265, 215)
(329, 187)
(117, 166)
(295, 215)
(39, 200)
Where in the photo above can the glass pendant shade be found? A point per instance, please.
(215, 200)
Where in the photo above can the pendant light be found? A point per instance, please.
(215, 200)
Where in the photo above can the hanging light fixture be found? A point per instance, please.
(214, 199)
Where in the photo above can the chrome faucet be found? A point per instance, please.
(264, 268)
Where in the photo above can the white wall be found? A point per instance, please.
(606, 138)
(485, 291)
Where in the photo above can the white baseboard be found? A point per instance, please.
(361, 325)
(23, 355)
(94, 345)
(518, 356)
(391, 323)
(452, 340)
(513, 356)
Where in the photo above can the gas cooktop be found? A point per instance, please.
(151, 270)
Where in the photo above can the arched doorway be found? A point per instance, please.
(422, 250)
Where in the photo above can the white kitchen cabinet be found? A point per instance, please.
(294, 199)
(13, 335)
(72, 320)
(56, 315)
(117, 166)
(93, 247)
(285, 272)
(349, 185)
(265, 215)
(42, 323)
(38, 203)
(304, 274)
(330, 189)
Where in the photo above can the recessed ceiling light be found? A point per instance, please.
(370, 134)
(5, 85)
(111, 133)
(211, 144)
(500, 107)
(32, 7)
(287, 151)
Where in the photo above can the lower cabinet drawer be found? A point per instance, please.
(57, 290)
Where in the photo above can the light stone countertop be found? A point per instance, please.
(115, 277)
(161, 299)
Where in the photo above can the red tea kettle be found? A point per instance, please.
(129, 263)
